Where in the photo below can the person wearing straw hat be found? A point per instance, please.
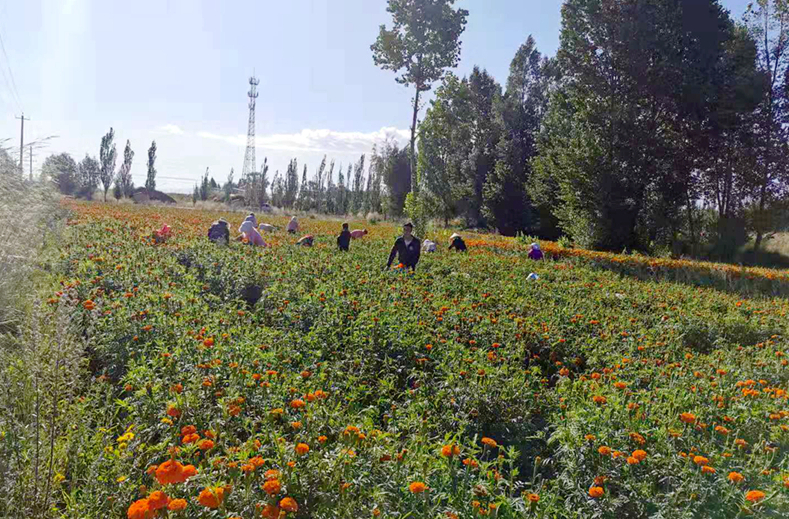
(219, 232)
(457, 243)
(534, 252)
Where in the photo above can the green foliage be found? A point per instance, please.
(62, 171)
(150, 181)
(124, 183)
(88, 172)
(423, 42)
(107, 157)
(463, 349)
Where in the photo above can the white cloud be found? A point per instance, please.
(322, 141)
(172, 129)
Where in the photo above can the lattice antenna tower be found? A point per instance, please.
(249, 157)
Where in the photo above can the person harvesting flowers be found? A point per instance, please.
(407, 248)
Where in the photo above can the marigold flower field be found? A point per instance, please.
(304, 382)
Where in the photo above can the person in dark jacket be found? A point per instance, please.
(219, 232)
(407, 248)
(344, 239)
(457, 243)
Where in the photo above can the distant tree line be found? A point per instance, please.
(84, 178)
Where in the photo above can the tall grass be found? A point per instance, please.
(39, 358)
(29, 212)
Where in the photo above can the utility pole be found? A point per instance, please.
(22, 145)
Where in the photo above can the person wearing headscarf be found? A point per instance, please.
(344, 239)
(429, 246)
(306, 241)
(251, 218)
(266, 227)
(457, 243)
(293, 225)
(357, 233)
(407, 248)
(250, 234)
(219, 232)
(534, 252)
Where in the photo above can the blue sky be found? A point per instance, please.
(176, 71)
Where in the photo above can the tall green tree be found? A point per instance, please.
(61, 169)
(768, 23)
(205, 186)
(506, 203)
(107, 156)
(291, 184)
(423, 42)
(150, 182)
(396, 174)
(623, 137)
(124, 181)
(88, 172)
(460, 135)
(357, 191)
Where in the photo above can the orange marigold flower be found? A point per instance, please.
(297, 403)
(640, 455)
(596, 492)
(590, 437)
(490, 442)
(140, 509)
(700, 460)
(632, 461)
(211, 497)
(450, 450)
(533, 498)
(600, 400)
(170, 472)
(604, 450)
(173, 411)
(289, 505)
(205, 445)
(271, 474)
(754, 496)
(721, 430)
(188, 471)
(302, 449)
(707, 470)
(620, 385)
(190, 438)
(272, 487)
(176, 505)
(188, 429)
(687, 417)
(270, 512)
(417, 487)
(322, 439)
(158, 499)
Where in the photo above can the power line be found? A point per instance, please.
(10, 72)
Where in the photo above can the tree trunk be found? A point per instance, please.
(413, 142)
